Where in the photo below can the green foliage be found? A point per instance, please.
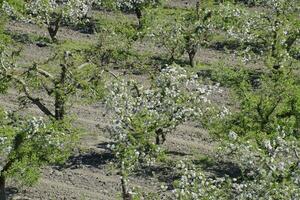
(166, 29)
(274, 103)
(180, 31)
(60, 81)
(18, 5)
(3, 37)
(116, 46)
(116, 36)
(137, 7)
(27, 145)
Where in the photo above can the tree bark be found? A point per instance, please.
(60, 94)
(53, 27)
(59, 107)
(192, 58)
(159, 133)
(138, 13)
(126, 195)
(125, 191)
(52, 32)
(2, 188)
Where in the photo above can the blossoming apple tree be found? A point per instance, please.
(273, 33)
(52, 13)
(142, 117)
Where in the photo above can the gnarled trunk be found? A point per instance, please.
(60, 94)
(53, 27)
(125, 193)
(2, 188)
(191, 49)
(52, 32)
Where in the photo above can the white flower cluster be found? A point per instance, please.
(173, 97)
(133, 4)
(72, 11)
(34, 126)
(194, 184)
(8, 9)
(259, 32)
(270, 167)
(270, 170)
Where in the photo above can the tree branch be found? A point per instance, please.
(35, 101)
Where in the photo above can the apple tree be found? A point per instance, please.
(53, 13)
(61, 82)
(137, 6)
(27, 145)
(142, 117)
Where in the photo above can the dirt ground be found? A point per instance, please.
(89, 174)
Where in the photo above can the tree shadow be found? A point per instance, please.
(23, 38)
(165, 174)
(11, 192)
(233, 45)
(90, 159)
(104, 145)
(219, 168)
(177, 153)
(205, 73)
(159, 61)
(223, 45)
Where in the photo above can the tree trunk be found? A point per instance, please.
(125, 191)
(52, 32)
(297, 125)
(53, 27)
(192, 58)
(2, 188)
(159, 133)
(60, 93)
(138, 13)
(125, 194)
(59, 107)
(191, 48)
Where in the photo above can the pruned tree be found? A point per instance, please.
(183, 32)
(167, 31)
(61, 84)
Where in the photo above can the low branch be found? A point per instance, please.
(111, 73)
(35, 101)
(45, 74)
(83, 65)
